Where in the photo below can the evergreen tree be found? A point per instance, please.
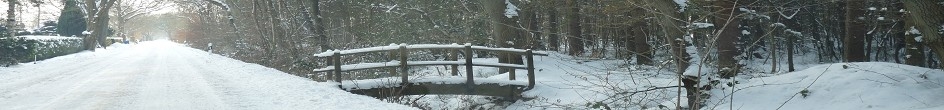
(71, 21)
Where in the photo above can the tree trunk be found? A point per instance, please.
(102, 32)
(928, 17)
(502, 31)
(853, 42)
(668, 13)
(97, 22)
(11, 14)
(776, 31)
(575, 40)
(790, 48)
(727, 39)
(530, 20)
(642, 49)
(553, 39)
(88, 42)
(318, 25)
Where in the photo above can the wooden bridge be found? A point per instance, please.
(454, 85)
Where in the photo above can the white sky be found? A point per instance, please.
(32, 16)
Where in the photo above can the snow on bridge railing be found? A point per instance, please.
(420, 46)
(334, 58)
(362, 66)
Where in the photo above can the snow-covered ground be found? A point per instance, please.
(165, 75)
(598, 84)
(840, 86)
(565, 82)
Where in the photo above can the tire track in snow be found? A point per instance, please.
(175, 84)
(101, 91)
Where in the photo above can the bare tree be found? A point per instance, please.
(97, 22)
(127, 10)
(11, 15)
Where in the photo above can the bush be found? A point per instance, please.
(22, 49)
(15, 47)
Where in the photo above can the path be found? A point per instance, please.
(165, 75)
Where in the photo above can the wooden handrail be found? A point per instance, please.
(423, 47)
(403, 65)
(363, 66)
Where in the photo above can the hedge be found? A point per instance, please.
(25, 48)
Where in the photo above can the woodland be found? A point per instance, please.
(731, 37)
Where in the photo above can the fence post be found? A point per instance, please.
(337, 66)
(454, 56)
(393, 55)
(328, 63)
(404, 68)
(530, 57)
(469, 82)
(511, 71)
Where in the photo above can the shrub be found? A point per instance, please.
(28, 48)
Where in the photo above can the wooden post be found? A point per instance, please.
(469, 82)
(393, 55)
(337, 66)
(511, 71)
(328, 63)
(529, 55)
(454, 56)
(404, 68)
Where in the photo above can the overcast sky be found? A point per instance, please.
(28, 13)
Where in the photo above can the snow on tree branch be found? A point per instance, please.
(510, 9)
(219, 3)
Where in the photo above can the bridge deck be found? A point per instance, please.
(386, 87)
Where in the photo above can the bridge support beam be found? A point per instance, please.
(510, 92)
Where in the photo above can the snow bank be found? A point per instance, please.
(840, 86)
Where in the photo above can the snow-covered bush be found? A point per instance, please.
(14, 49)
(28, 48)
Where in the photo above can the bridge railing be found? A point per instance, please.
(403, 52)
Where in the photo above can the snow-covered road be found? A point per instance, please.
(165, 75)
